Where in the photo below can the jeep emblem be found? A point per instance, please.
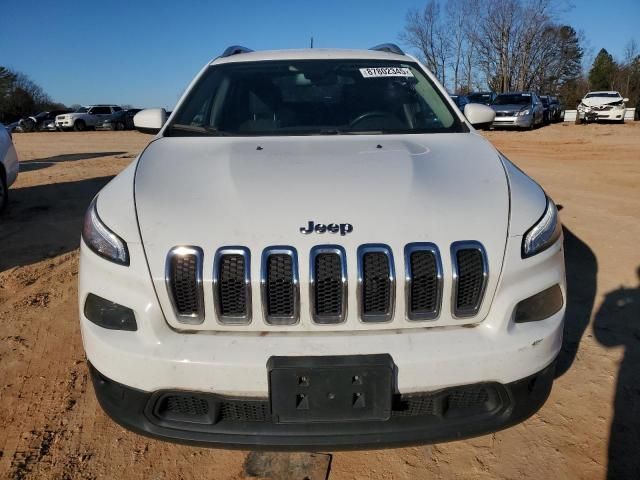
(343, 228)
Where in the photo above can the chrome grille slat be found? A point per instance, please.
(470, 274)
(183, 278)
(328, 284)
(376, 283)
(280, 286)
(232, 285)
(423, 281)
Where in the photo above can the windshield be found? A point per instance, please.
(82, 110)
(479, 98)
(313, 97)
(603, 94)
(513, 99)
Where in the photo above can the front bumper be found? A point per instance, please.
(449, 414)
(519, 121)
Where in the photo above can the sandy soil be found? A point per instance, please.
(52, 427)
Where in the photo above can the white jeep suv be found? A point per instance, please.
(86, 117)
(319, 251)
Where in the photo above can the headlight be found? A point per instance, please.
(526, 111)
(101, 240)
(544, 233)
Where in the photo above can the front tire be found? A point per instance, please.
(79, 126)
(4, 192)
(119, 126)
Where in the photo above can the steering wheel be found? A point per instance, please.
(369, 115)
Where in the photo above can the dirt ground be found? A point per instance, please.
(52, 427)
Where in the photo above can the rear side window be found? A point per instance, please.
(314, 97)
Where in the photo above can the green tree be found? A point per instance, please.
(602, 71)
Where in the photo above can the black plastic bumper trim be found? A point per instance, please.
(134, 409)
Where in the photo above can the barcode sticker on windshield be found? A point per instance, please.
(385, 72)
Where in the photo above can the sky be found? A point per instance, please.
(144, 53)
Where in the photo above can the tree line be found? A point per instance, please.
(21, 97)
(509, 45)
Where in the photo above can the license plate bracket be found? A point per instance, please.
(331, 388)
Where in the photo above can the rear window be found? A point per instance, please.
(314, 97)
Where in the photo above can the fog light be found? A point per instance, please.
(109, 315)
(540, 306)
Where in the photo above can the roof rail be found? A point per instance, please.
(235, 50)
(389, 48)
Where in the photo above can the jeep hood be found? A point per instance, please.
(259, 191)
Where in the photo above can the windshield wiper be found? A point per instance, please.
(197, 129)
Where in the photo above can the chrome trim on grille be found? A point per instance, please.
(315, 251)
(378, 318)
(273, 319)
(232, 319)
(455, 248)
(433, 249)
(183, 251)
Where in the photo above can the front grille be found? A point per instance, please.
(470, 277)
(184, 283)
(232, 285)
(328, 284)
(424, 281)
(328, 290)
(280, 294)
(376, 280)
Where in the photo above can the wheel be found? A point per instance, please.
(119, 126)
(4, 192)
(29, 125)
(79, 126)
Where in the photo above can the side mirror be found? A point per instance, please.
(625, 100)
(478, 115)
(150, 120)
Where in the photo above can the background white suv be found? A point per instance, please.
(86, 117)
(319, 251)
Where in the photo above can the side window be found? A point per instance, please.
(116, 109)
(100, 110)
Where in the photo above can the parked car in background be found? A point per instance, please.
(41, 121)
(131, 112)
(518, 109)
(485, 98)
(86, 117)
(546, 109)
(122, 120)
(602, 105)
(557, 109)
(460, 100)
(8, 165)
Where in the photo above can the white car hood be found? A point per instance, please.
(259, 192)
(597, 101)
